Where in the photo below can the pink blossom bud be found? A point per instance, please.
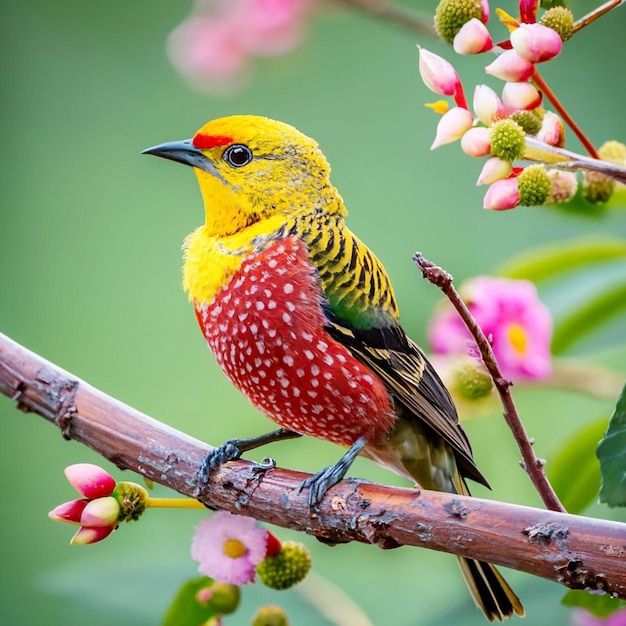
(485, 8)
(101, 512)
(68, 512)
(475, 141)
(552, 130)
(494, 169)
(438, 74)
(90, 480)
(452, 126)
(528, 10)
(520, 97)
(88, 534)
(502, 195)
(487, 106)
(511, 66)
(473, 38)
(536, 42)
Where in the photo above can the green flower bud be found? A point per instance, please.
(597, 188)
(507, 139)
(529, 121)
(613, 151)
(270, 615)
(287, 568)
(559, 19)
(223, 597)
(534, 185)
(132, 499)
(472, 382)
(451, 15)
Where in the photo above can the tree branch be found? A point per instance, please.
(578, 552)
(533, 466)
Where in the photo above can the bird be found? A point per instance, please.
(302, 318)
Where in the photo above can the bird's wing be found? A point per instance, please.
(363, 316)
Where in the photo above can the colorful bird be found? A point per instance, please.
(302, 318)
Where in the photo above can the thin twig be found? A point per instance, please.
(533, 466)
(592, 16)
(575, 551)
(400, 16)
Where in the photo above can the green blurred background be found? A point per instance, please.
(90, 238)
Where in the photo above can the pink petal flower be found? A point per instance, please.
(520, 97)
(452, 125)
(90, 480)
(510, 66)
(552, 130)
(270, 27)
(101, 512)
(68, 512)
(208, 49)
(473, 38)
(476, 141)
(228, 547)
(510, 311)
(502, 195)
(487, 105)
(437, 73)
(485, 7)
(536, 42)
(87, 535)
(494, 169)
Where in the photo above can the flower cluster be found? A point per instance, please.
(103, 506)
(233, 549)
(214, 45)
(498, 126)
(508, 312)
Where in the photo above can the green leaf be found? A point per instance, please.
(596, 310)
(601, 605)
(612, 456)
(185, 610)
(575, 471)
(547, 261)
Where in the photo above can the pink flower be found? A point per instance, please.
(502, 195)
(98, 513)
(438, 74)
(487, 105)
(536, 42)
(581, 617)
(528, 10)
(552, 130)
(476, 141)
(452, 126)
(510, 66)
(228, 547)
(473, 38)
(269, 27)
(520, 97)
(508, 311)
(494, 169)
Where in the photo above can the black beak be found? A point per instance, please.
(184, 152)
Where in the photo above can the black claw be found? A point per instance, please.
(228, 451)
(322, 481)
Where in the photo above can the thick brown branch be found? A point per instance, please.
(533, 466)
(578, 552)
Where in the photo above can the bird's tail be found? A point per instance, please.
(490, 591)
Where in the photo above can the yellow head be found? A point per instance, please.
(251, 169)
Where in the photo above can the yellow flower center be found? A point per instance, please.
(234, 548)
(517, 337)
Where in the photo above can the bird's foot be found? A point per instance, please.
(228, 451)
(322, 481)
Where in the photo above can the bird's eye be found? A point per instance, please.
(237, 155)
